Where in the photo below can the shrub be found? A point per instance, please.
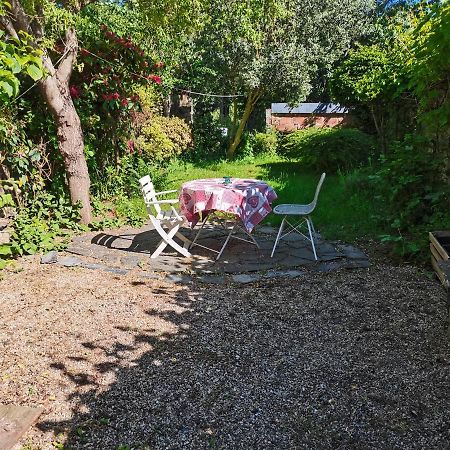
(266, 142)
(413, 197)
(162, 138)
(329, 149)
(45, 223)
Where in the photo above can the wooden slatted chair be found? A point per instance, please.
(166, 222)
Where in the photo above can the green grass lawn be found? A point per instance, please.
(342, 212)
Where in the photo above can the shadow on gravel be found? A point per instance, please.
(339, 361)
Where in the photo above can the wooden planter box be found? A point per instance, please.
(440, 260)
(440, 250)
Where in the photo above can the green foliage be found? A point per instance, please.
(412, 197)
(44, 224)
(430, 68)
(329, 149)
(209, 143)
(132, 210)
(162, 138)
(266, 143)
(273, 46)
(16, 57)
(370, 73)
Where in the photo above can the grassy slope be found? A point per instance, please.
(341, 213)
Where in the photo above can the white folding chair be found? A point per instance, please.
(167, 222)
(303, 211)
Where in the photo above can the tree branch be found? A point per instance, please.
(64, 70)
(21, 19)
(6, 24)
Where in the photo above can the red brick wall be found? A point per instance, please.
(292, 122)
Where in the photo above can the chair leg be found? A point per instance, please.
(312, 225)
(167, 239)
(184, 239)
(278, 236)
(311, 237)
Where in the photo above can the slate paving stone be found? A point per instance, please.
(116, 270)
(178, 278)
(265, 229)
(212, 279)
(330, 266)
(50, 257)
(69, 261)
(151, 276)
(284, 273)
(352, 252)
(357, 264)
(81, 251)
(245, 278)
(93, 266)
(130, 261)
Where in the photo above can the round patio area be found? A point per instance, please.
(130, 249)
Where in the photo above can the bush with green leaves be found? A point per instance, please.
(413, 198)
(329, 149)
(266, 143)
(163, 138)
(45, 223)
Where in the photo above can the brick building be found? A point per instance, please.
(284, 118)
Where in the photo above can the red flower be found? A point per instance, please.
(115, 96)
(107, 97)
(74, 91)
(155, 78)
(124, 102)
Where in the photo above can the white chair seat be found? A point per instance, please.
(293, 210)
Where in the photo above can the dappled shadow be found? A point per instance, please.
(303, 365)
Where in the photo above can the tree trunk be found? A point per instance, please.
(55, 90)
(379, 129)
(252, 98)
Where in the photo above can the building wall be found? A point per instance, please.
(292, 122)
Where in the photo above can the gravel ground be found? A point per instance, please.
(346, 360)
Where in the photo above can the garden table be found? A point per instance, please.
(247, 200)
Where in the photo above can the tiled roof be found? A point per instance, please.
(309, 108)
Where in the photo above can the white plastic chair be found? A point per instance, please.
(303, 211)
(166, 223)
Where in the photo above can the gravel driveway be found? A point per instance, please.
(345, 360)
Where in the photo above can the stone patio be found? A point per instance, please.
(123, 250)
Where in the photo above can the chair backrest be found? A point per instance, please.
(148, 192)
(316, 195)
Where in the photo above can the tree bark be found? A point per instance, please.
(252, 98)
(55, 90)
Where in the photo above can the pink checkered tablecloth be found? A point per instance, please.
(247, 199)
